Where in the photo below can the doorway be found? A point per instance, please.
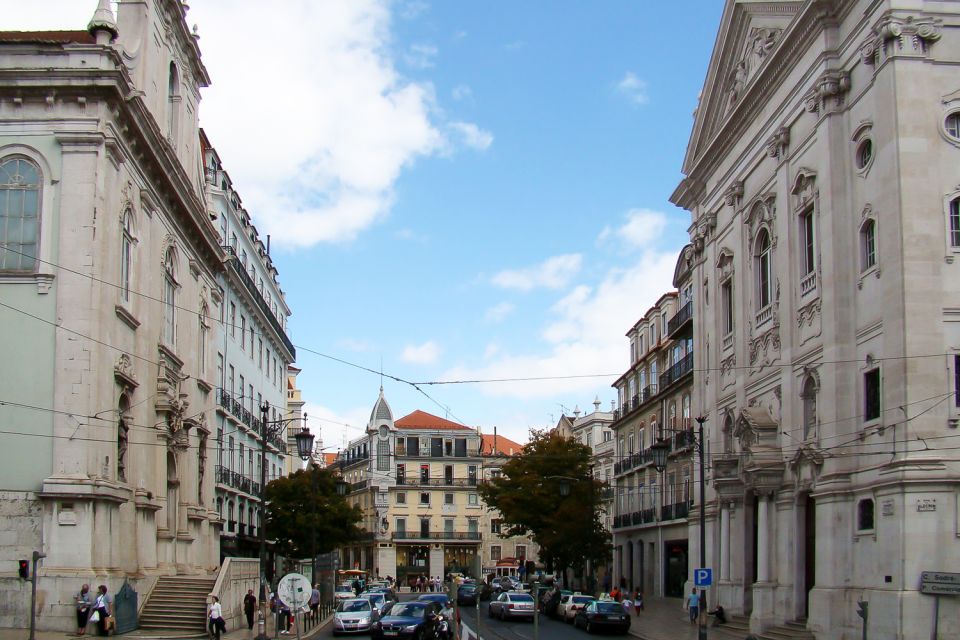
(675, 568)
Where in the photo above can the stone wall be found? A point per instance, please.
(20, 533)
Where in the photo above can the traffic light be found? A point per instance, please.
(862, 609)
(24, 569)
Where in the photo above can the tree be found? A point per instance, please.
(568, 529)
(298, 509)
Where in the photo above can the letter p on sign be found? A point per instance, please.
(702, 577)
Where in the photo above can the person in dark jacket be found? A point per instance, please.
(249, 607)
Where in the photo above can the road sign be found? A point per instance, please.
(703, 577)
(294, 589)
(937, 589)
(941, 577)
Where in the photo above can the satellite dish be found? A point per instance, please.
(294, 590)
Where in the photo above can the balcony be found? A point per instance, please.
(675, 511)
(237, 481)
(648, 394)
(471, 536)
(359, 486)
(235, 407)
(350, 460)
(239, 270)
(681, 324)
(808, 284)
(437, 482)
(677, 372)
(401, 452)
(683, 439)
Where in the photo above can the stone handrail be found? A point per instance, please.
(236, 576)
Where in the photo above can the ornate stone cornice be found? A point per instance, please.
(900, 36)
(828, 92)
(777, 143)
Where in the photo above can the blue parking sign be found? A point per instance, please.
(702, 577)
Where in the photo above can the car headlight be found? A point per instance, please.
(410, 629)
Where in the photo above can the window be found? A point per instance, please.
(807, 248)
(726, 304)
(401, 526)
(173, 99)
(955, 223)
(425, 473)
(473, 499)
(809, 397)
(448, 498)
(241, 467)
(521, 552)
(220, 369)
(425, 498)
(472, 475)
(401, 474)
(763, 274)
(402, 497)
(871, 395)
(260, 353)
(956, 380)
(864, 154)
(448, 525)
(169, 299)
(495, 526)
(202, 346)
(868, 245)
(473, 527)
(413, 446)
(233, 320)
(243, 332)
(231, 380)
(19, 214)
(951, 125)
(495, 553)
(126, 254)
(865, 520)
(424, 527)
(383, 456)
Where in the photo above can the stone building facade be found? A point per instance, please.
(650, 510)
(822, 180)
(109, 264)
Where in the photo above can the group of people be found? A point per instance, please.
(692, 604)
(423, 584)
(634, 601)
(96, 609)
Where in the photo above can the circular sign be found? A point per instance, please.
(294, 590)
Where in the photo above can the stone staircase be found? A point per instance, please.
(177, 603)
(738, 627)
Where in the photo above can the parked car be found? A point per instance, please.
(550, 601)
(386, 591)
(467, 594)
(512, 604)
(440, 598)
(486, 592)
(379, 599)
(603, 614)
(569, 605)
(343, 592)
(354, 616)
(406, 620)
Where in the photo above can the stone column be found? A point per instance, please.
(724, 542)
(763, 538)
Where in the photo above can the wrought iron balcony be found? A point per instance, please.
(675, 511)
(679, 370)
(474, 536)
(236, 480)
(437, 482)
(681, 324)
(251, 286)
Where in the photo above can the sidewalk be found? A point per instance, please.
(662, 619)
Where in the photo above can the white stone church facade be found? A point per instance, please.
(823, 179)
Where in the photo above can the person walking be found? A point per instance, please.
(286, 618)
(215, 618)
(315, 602)
(638, 601)
(103, 606)
(84, 602)
(249, 607)
(693, 606)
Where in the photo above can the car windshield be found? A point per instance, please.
(355, 605)
(434, 597)
(582, 599)
(520, 597)
(609, 607)
(344, 590)
(468, 587)
(408, 609)
(376, 598)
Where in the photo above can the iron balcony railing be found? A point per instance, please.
(675, 511)
(235, 407)
(237, 481)
(437, 535)
(437, 482)
(358, 486)
(681, 368)
(251, 286)
(680, 318)
(348, 460)
(401, 450)
(649, 392)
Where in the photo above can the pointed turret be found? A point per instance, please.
(381, 412)
(103, 26)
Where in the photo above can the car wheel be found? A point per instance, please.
(489, 611)
(503, 616)
(589, 627)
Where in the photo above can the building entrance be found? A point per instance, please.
(675, 568)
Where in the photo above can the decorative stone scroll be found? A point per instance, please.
(777, 143)
(900, 36)
(828, 92)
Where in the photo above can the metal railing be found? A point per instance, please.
(681, 368)
(248, 282)
(235, 407)
(437, 482)
(436, 535)
(237, 481)
(680, 318)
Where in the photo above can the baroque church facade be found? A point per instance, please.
(823, 185)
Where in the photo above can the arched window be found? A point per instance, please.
(173, 102)
(728, 434)
(865, 521)
(19, 214)
(126, 254)
(868, 244)
(763, 270)
(809, 396)
(123, 437)
(169, 299)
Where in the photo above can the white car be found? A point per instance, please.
(569, 605)
(356, 615)
(343, 592)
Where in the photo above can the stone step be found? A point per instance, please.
(171, 622)
(173, 609)
(164, 597)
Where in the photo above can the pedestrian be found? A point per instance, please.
(102, 607)
(249, 606)
(720, 616)
(84, 601)
(356, 587)
(693, 606)
(315, 602)
(215, 618)
(627, 604)
(286, 618)
(638, 601)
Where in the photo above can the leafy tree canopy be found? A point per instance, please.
(305, 504)
(569, 529)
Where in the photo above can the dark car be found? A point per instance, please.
(440, 598)
(486, 591)
(603, 614)
(406, 620)
(467, 594)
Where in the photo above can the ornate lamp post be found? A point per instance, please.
(305, 450)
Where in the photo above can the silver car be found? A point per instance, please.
(512, 604)
(381, 601)
(356, 615)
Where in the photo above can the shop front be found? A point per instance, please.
(459, 559)
(413, 561)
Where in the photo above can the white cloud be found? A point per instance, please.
(498, 312)
(461, 92)
(352, 344)
(335, 428)
(413, 8)
(471, 135)
(421, 56)
(426, 353)
(552, 273)
(643, 228)
(633, 88)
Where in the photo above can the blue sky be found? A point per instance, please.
(456, 190)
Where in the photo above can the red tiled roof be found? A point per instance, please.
(329, 459)
(423, 420)
(505, 446)
(48, 37)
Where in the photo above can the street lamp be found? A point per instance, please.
(305, 449)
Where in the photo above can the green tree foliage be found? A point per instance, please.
(306, 503)
(569, 529)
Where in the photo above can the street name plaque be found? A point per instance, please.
(940, 577)
(937, 589)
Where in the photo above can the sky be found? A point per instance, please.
(455, 190)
